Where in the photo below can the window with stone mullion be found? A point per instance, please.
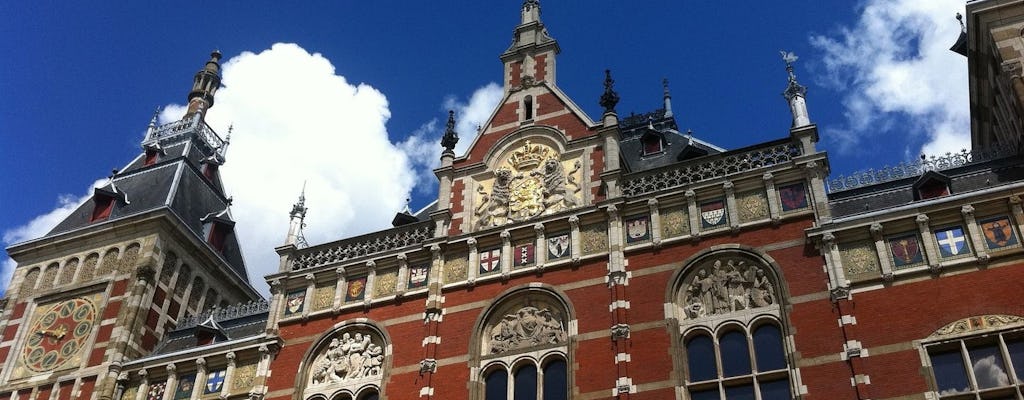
(979, 367)
(528, 382)
(738, 365)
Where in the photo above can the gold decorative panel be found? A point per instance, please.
(323, 296)
(244, 378)
(674, 222)
(594, 238)
(752, 205)
(860, 261)
(456, 268)
(386, 284)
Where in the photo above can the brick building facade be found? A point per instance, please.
(564, 258)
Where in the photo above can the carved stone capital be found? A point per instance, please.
(340, 271)
(935, 268)
(231, 356)
(505, 276)
(922, 219)
(1015, 199)
(888, 277)
(505, 235)
(612, 210)
(434, 248)
(967, 210)
(471, 242)
(652, 202)
(402, 257)
(574, 221)
(828, 238)
(690, 194)
(263, 349)
(170, 369)
(839, 293)
(538, 228)
(471, 282)
(201, 361)
(728, 186)
(310, 277)
(617, 278)
(767, 176)
(620, 331)
(428, 365)
(143, 373)
(276, 286)
(371, 265)
(876, 231)
(122, 378)
(734, 228)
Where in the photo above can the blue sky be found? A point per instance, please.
(351, 96)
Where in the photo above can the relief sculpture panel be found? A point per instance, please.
(532, 181)
(530, 322)
(353, 356)
(724, 285)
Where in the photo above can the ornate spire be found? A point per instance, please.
(152, 125)
(795, 93)
(667, 97)
(531, 11)
(609, 98)
(204, 86)
(298, 221)
(450, 138)
(960, 47)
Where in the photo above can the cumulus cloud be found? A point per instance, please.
(39, 226)
(424, 144)
(896, 74)
(296, 120)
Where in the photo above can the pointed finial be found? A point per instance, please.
(667, 98)
(156, 115)
(407, 210)
(609, 98)
(450, 138)
(960, 17)
(794, 88)
(299, 208)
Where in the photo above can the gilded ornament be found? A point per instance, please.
(130, 392)
(244, 377)
(753, 206)
(386, 284)
(859, 260)
(674, 222)
(531, 182)
(455, 269)
(323, 297)
(594, 238)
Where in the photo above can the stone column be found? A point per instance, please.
(693, 213)
(884, 261)
(652, 204)
(931, 250)
(200, 382)
(774, 209)
(730, 206)
(339, 289)
(574, 239)
(540, 248)
(974, 232)
(172, 382)
(473, 269)
(229, 375)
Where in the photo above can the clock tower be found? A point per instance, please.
(153, 245)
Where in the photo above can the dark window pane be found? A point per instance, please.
(950, 374)
(526, 383)
(775, 390)
(555, 381)
(745, 392)
(496, 385)
(768, 348)
(735, 354)
(989, 369)
(705, 395)
(1016, 349)
(370, 396)
(700, 356)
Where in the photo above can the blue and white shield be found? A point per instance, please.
(952, 242)
(214, 382)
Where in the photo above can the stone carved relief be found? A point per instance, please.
(674, 222)
(531, 182)
(859, 260)
(526, 327)
(977, 323)
(753, 206)
(725, 285)
(353, 356)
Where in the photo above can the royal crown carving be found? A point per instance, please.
(532, 181)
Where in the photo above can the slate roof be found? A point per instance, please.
(967, 178)
(676, 145)
(235, 328)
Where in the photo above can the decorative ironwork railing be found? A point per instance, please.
(226, 313)
(913, 168)
(709, 167)
(166, 133)
(379, 242)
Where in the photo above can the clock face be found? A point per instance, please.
(58, 334)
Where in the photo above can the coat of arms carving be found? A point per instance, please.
(533, 181)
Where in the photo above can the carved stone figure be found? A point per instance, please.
(527, 327)
(348, 358)
(531, 182)
(729, 287)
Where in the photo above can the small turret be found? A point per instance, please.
(667, 98)
(204, 86)
(795, 93)
(298, 218)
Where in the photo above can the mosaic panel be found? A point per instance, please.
(243, 378)
(49, 276)
(127, 262)
(385, 284)
(594, 238)
(753, 206)
(906, 251)
(88, 268)
(68, 273)
(109, 263)
(29, 282)
(323, 296)
(999, 233)
(356, 289)
(952, 242)
(130, 393)
(455, 269)
(859, 260)
(674, 222)
(638, 228)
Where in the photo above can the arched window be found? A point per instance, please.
(524, 348)
(981, 355)
(731, 329)
(346, 363)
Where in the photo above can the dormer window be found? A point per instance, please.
(151, 156)
(103, 201)
(216, 231)
(652, 143)
(931, 185)
(209, 171)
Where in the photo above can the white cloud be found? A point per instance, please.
(895, 65)
(424, 144)
(39, 226)
(295, 120)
